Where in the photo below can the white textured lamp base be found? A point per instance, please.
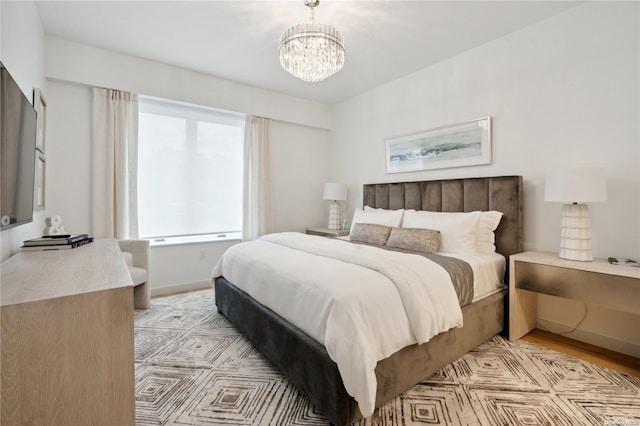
(575, 242)
(334, 216)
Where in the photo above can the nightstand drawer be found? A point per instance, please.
(613, 291)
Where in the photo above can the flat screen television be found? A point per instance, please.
(17, 153)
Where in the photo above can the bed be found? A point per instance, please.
(318, 377)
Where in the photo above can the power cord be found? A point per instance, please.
(584, 315)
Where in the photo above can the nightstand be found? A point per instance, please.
(325, 232)
(598, 282)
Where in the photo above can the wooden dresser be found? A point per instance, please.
(67, 337)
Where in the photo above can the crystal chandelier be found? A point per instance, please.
(312, 51)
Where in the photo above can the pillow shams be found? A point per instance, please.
(457, 230)
(457, 225)
(370, 233)
(391, 218)
(489, 221)
(379, 210)
(414, 239)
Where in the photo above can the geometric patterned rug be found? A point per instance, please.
(193, 367)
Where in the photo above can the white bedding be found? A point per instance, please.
(488, 272)
(362, 308)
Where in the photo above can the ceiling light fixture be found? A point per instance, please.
(312, 51)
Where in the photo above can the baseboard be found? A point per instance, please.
(180, 288)
(595, 339)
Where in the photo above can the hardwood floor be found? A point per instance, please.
(616, 361)
(180, 292)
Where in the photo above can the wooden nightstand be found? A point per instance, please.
(598, 282)
(325, 232)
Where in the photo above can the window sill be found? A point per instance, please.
(195, 239)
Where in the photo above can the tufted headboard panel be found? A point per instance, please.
(501, 193)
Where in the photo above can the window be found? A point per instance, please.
(189, 172)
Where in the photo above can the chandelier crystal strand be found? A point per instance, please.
(312, 51)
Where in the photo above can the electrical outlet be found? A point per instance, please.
(203, 254)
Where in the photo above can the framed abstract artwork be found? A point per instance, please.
(458, 145)
(41, 169)
(40, 105)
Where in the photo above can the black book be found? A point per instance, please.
(73, 245)
(55, 240)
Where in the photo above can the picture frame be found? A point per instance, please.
(41, 171)
(458, 145)
(40, 105)
(346, 224)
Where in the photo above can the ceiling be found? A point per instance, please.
(238, 40)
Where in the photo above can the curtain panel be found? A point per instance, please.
(114, 163)
(257, 207)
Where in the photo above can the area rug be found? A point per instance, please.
(194, 368)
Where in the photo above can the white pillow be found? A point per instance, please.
(371, 209)
(381, 210)
(458, 231)
(391, 218)
(485, 239)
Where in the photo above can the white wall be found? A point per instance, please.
(564, 91)
(22, 53)
(69, 154)
(79, 63)
(299, 166)
(299, 145)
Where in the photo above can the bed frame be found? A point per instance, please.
(317, 375)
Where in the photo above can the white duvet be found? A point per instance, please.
(362, 303)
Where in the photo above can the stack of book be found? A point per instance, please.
(57, 242)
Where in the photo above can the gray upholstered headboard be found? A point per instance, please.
(501, 193)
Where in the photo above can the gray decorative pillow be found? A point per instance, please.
(415, 239)
(370, 233)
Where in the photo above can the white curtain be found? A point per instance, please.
(114, 164)
(257, 208)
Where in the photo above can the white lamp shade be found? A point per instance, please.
(576, 185)
(335, 191)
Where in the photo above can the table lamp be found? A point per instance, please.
(335, 192)
(573, 186)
